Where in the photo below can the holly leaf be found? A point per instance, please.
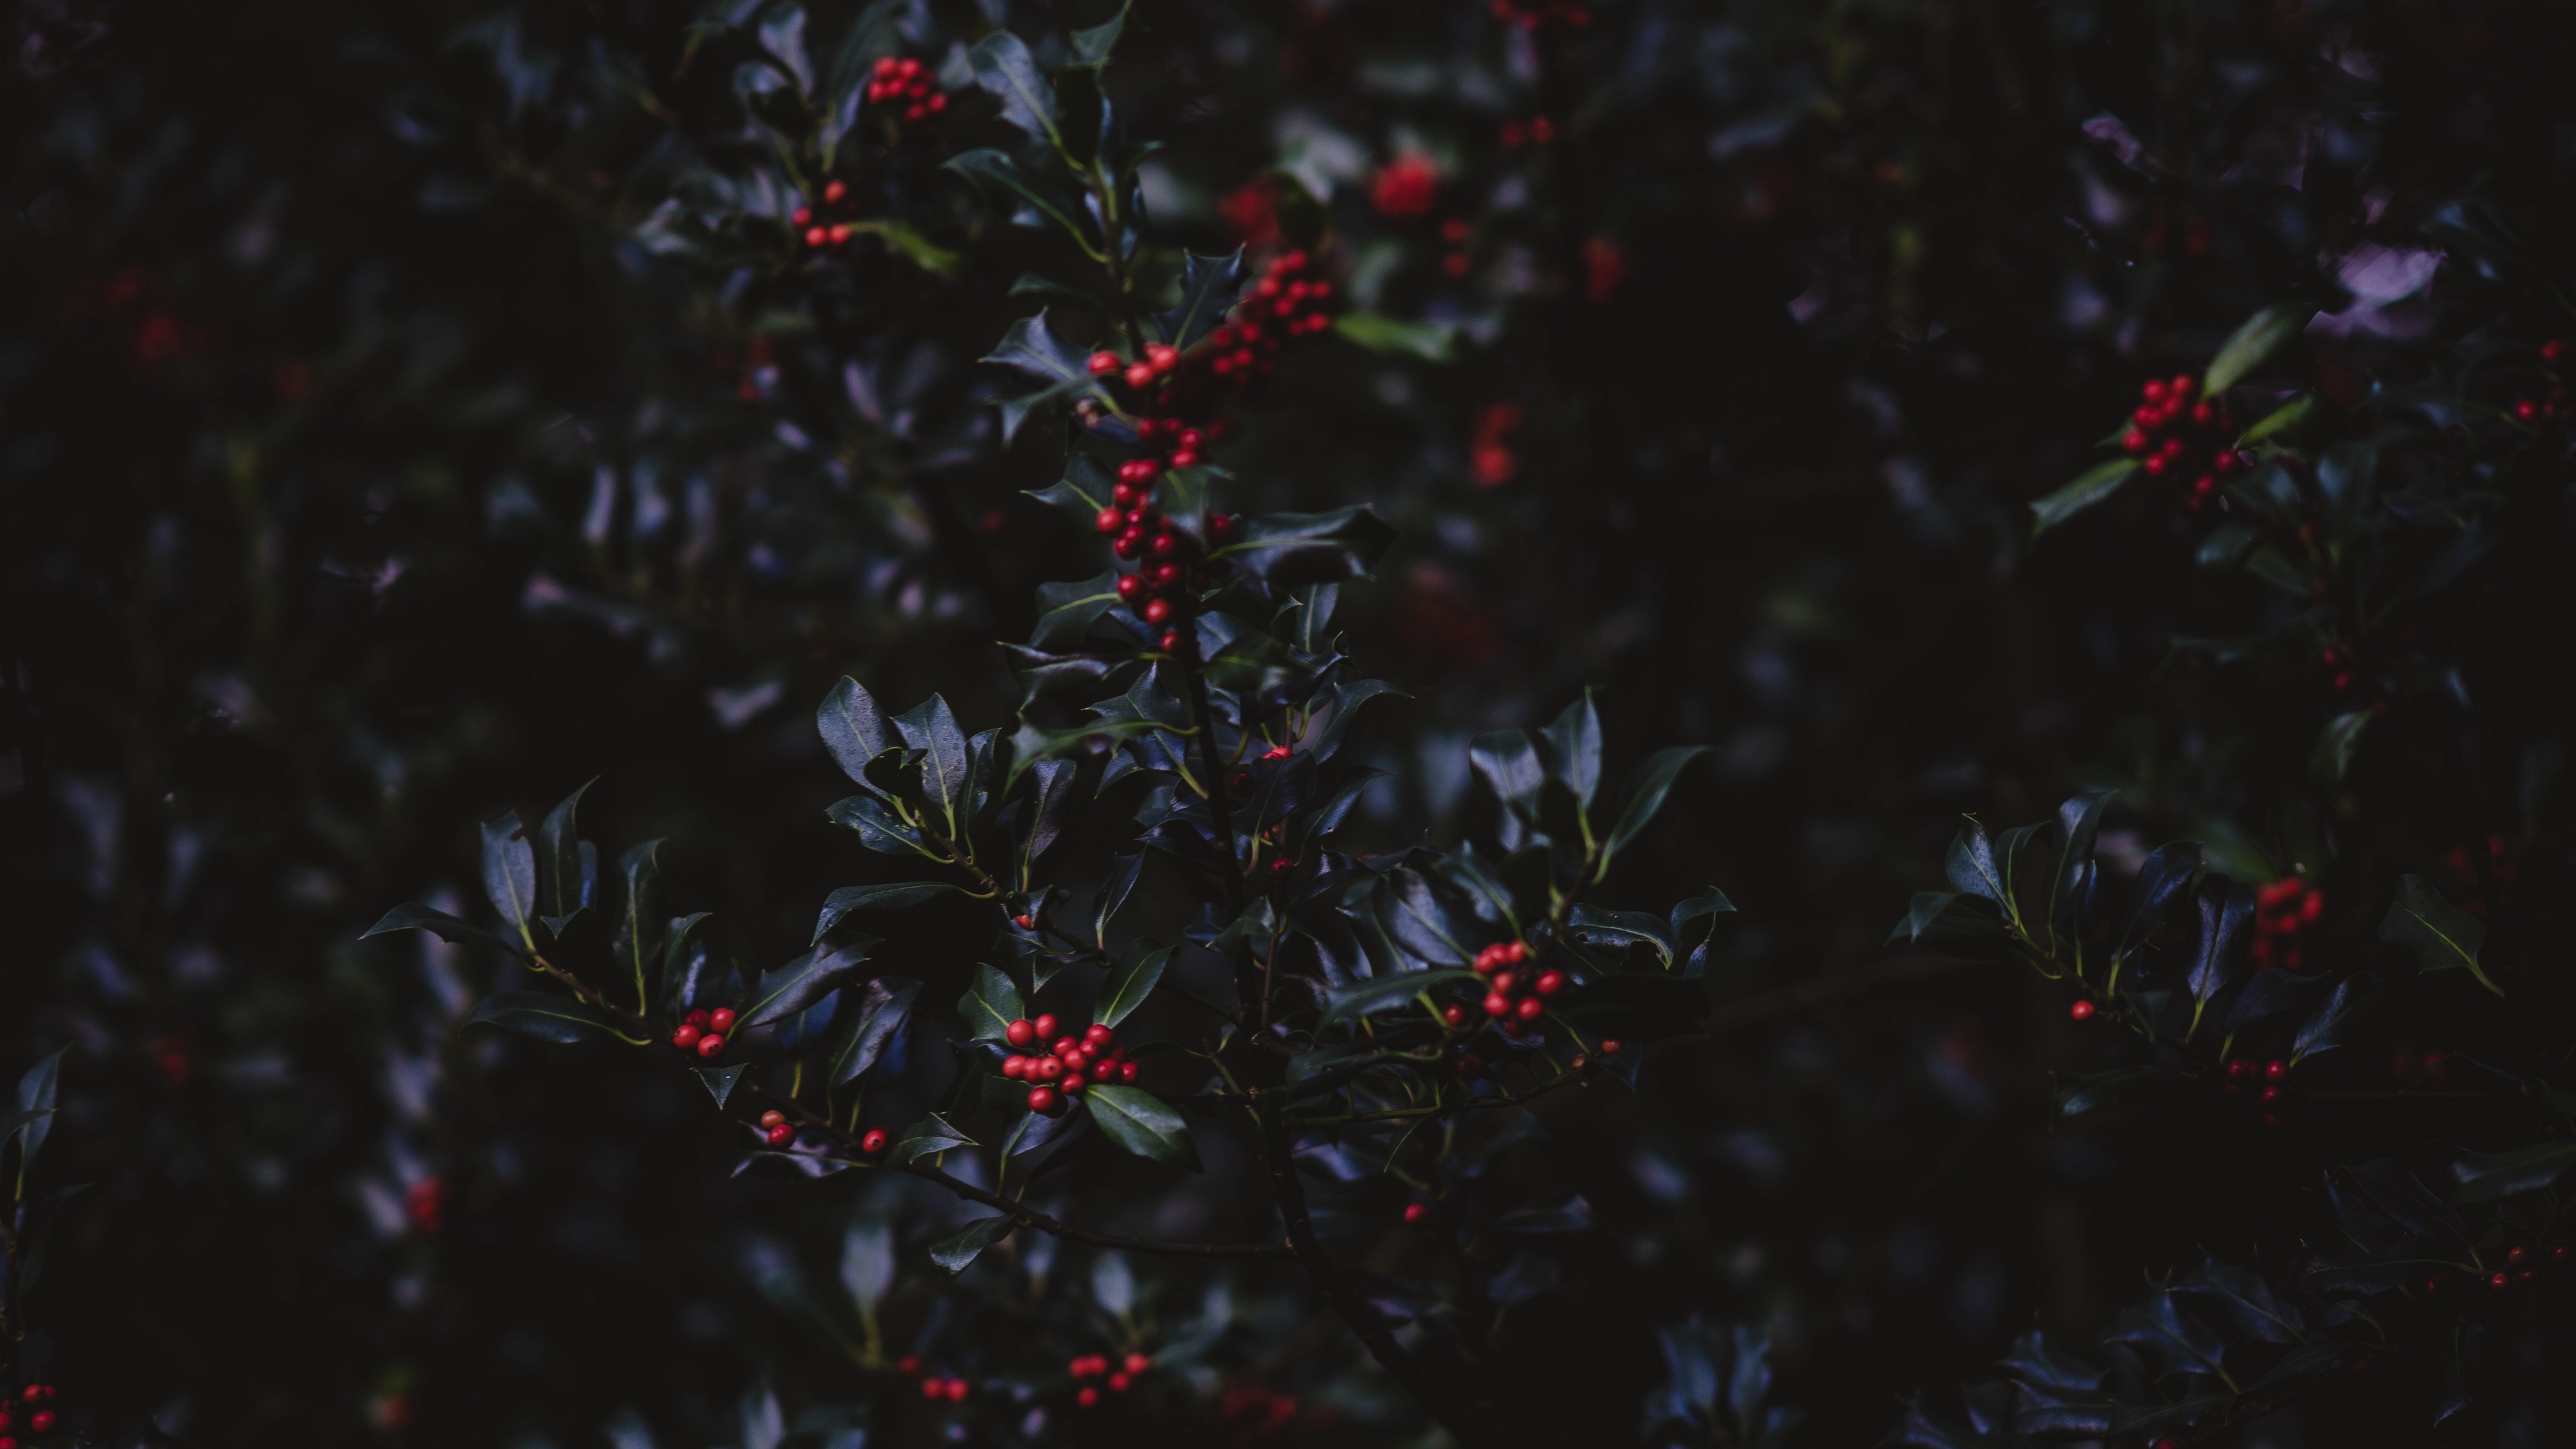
(570, 875)
(802, 982)
(885, 1004)
(2093, 486)
(416, 917)
(1128, 985)
(719, 1080)
(2254, 343)
(929, 1137)
(1208, 286)
(1284, 549)
(956, 1253)
(1386, 993)
(992, 1005)
(839, 904)
(2439, 935)
(510, 873)
(1005, 69)
(545, 1017)
(1654, 782)
(854, 729)
(1139, 1121)
(1066, 610)
(2486, 1176)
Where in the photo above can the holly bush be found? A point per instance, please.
(1274, 722)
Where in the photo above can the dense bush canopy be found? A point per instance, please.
(1755, 724)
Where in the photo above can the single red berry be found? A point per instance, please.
(1137, 1363)
(1157, 611)
(1497, 1004)
(908, 1365)
(2558, 1253)
(772, 1117)
(2517, 1257)
(2082, 1010)
(2275, 1071)
(1099, 1034)
(1503, 982)
(1139, 374)
(1045, 1101)
(697, 1019)
(1549, 983)
(1073, 1084)
(1103, 362)
(684, 1036)
(2527, 1275)
(1454, 1015)
(1609, 1047)
(720, 1020)
(1129, 586)
(1530, 1008)
(933, 1389)
(1087, 1397)
(1044, 1025)
(1470, 1065)
(1283, 866)
(874, 1143)
(1127, 1073)
(1110, 521)
(1020, 1033)
(1025, 922)
(2526, 410)
(782, 1134)
(1046, 1069)
(2552, 350)
(1416, 1214)
(711, 1046)
(1118, 1383)
(41, 1421)
(2500, 1282)
(2270, 1096)
(1161, 355)
(1015, 1067)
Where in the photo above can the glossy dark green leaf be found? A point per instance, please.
(2239, 1299)
(39, 1088)
(878, 828)
(676, 953)
(992, 1005)
(1139, 1121)
(802, 982)
(639, 921)
(1311, 548)
(2225, 907)
(1928, 907)
(956, 1253)
(929, 1137)
(854, 729)
(564, 885)
(510, 874)
(719, 1081)
(2164, 879)
(2487, 1176)
(930, 728)
(2254, 343)
(1387, 994)
(2439, 936)
(1004, 69)
(1574, 750)
(1309, 617)
(1973, 867)
(1208, 288)
(885, 1004)
(1066, 610)
(1030, 347)
(2333, 1022)
(1596, 927)
(892, 896)
(1124, 870)
(415, 917)
(2079, 821)
(1510, 764)
(2170, 1337)
(2289, 417)
(1040, 193)
(1092, 46)
(1433, 341)
(1130, 982)
(1052, 805)
(1573, 1215)
(2340, 743)
(542, 1016)
(1654, 782)
(2094, 485)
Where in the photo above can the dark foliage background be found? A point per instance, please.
(378, 459)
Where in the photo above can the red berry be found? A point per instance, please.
(1046, 1069)
(684, 1036)
(2081, 1010)
(1098, 1035)
(1157, 611)
(1137, 1363)
(1454, 1015)
(816, 236)
(1530, 1009)
(1110, 521)
(1025, 922)
(1127, 1073)
(1020, 1033)
(1415, 1214)
(1609, 1047)
(697, 1019)
(720, 1020)
(782, 1134)
(42, 1421)
(1498, 1004)
(2526, 410)
(1129, 586)
(1172, 641)
(932, 1389)
(2275, 1071)
(1139, 374)
(908, 1365)
(1045, 1101)
(1470, 1065)
(772, 1117)
(2500, 1282)
(1044, 1025)
(1103, 362)
(1118, 1383)
(1549, 983)
(2517, 1257)
(1015, 1067)
(1283, 866)
(1087, 1397)
(2558, 1253)
(1073, 1084)
(710, 1046)
(1503, 982)
(874, 1143)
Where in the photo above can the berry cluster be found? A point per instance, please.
(1490, 458)
(703, 1032)
(1513, 998)
(425, 1204)
(1067, 1066)
(833, 222)
(1455, 233)
(2464, 874)
(2179, 438)
(1537, 131)
(2284, 912)
(905, 86)
(2550, 409)
(1171, 565)
(41, 1419)
(2267, 1081)
(934, 1387)
(1118, 1377)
